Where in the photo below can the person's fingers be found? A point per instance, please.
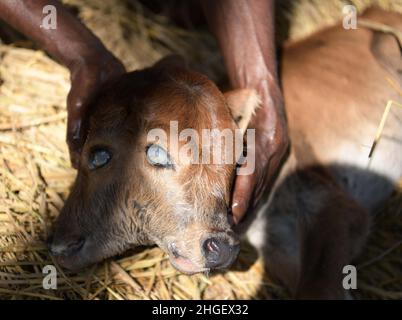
(86, 81)
(242, 192)
(74, 140)
(77, 103)
(74, 137)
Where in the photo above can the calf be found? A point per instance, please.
(132, 191)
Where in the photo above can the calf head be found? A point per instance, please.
(131, 190)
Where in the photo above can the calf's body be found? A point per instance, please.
(317, 217)
(336, 85)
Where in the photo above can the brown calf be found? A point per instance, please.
(131, 192)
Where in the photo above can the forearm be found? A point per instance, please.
(245, 33)
(69, 43)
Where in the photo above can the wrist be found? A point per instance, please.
(271, 97)
(88, 55)
(270, 117)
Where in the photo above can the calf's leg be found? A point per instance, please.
(308, 232)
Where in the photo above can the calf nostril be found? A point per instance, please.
(218, 252)
(211, 246)
(66, 249)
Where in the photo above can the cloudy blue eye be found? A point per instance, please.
(99, 158)
(158, 157)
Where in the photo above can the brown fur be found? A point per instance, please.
(313, 223)
(335, 87)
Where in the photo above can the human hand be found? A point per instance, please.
(87, 77)
(271, 145)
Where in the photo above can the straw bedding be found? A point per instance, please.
(35, 173)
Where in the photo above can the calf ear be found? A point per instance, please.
(242, 104)
(172, 61)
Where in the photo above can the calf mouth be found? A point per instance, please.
(217, 253)
(182, 263)
(186, 266)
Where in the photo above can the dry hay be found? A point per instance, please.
(35, 174)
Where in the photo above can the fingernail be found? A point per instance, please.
(74, 163)
(236, 207)
(76, 130)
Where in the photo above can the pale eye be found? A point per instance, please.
(99, 158)
(157, 156)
